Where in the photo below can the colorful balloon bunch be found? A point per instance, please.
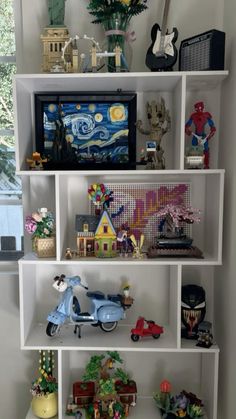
(100, 195)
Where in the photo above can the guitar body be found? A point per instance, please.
(162, 53)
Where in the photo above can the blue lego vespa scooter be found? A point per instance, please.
(105, 311)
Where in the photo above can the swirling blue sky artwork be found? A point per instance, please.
(97, 131)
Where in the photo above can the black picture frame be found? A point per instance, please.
(58, 159)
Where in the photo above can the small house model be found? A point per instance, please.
(105, 237)
(83, 393)
(85, 226)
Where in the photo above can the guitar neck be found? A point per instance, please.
(165, 17)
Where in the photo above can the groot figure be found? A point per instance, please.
(160, 123)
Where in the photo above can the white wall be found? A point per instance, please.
(226, 275)
(188, 16)
(17, 368)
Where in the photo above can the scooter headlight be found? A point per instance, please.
(60, 286)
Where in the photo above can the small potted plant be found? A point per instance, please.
(127, 301)
(44, 388)
(183, 405)
(126, 288)
(172, 239)
(165, 402)
(41, 226)
(173, 219)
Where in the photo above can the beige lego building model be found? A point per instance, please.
(75, 57)
(54, 39)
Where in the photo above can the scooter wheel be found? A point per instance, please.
(155, 336)
(135, 338)
(108, 327)
(52, 329)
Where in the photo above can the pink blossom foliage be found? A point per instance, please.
(40, 226)
(180, 213)
(37, 217)
(30, 224)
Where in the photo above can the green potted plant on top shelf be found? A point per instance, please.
(115, 16)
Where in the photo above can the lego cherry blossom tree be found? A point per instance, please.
(174, 216)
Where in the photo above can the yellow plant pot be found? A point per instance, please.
(45, 406)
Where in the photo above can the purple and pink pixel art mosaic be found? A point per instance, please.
(136, 205)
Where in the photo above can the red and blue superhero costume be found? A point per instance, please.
(200, 119)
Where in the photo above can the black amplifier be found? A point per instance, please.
(203, 52)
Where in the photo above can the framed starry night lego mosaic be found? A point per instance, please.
(86, 131)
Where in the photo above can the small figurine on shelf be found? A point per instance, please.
(96, 410)
(193, 309)
(111, 393)
(127, 300)
(172, 240)
(154, 157)
(36, 161)
(195, 157)
(204, 335)
(200, 119)
(138, 244)
(160, 124)
(126, 288)
(69, 253)
(145, 328)
(125, 241)
(44, 388)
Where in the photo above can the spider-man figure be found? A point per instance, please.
(200, 118)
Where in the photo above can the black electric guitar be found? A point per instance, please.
(162, 54)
